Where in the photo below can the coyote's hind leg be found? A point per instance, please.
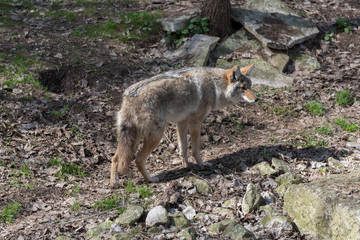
(150, 143)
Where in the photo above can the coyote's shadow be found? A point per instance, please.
(236, 161)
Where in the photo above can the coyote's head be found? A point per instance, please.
(239, 85)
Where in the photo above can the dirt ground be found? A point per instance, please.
(73, 121)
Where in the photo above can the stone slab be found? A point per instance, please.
(274, 24)
(175, 24)
(197, 49)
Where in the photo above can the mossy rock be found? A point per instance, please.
(187, 233)
(235, 231)
(131, 215)
(99, 229)
(265, 169)
(202, 186)
(327, 208)
(178, 220)
(122, 236)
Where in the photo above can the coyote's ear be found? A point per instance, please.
(233, 74)
(246, 70)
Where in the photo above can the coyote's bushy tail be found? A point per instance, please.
(126, 143)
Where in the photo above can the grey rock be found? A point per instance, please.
(202, 186)
(304, 62)
(336, 164)
(122, 236)
(189, 212)
(178, 220)
(175, 24)
(130, 216)
(233, 203)
(218, 227)
(280, 165)
(236, 231)
(285, 180)
(187, 233)
(252, 199)
(274, 24)
(197, 49)
(265, 169)
(276, 223)
(157, 216)
(326, 208)
(99, 229)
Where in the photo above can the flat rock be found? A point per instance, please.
(175, 24)
(274, 24)
(197, 50)
(245, 46)
(327, 208)
(262, 73)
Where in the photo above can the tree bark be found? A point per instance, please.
(218, 15)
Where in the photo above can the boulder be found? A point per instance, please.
(304, 62)
(236, 231)
(99, 229)
(327, 208)
(178, 220)
(202, 186)
(130, 216)
(189, 212)
(285, 180)
(196, 50)
(280, 165)
(265, 169)
(252, 199)
(274, 24)
(187, 234)
(157, 216)
(218, 227)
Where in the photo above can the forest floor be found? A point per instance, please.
(56, 143)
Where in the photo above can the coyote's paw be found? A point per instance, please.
(114, 186)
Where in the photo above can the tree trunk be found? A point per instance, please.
(218, 15)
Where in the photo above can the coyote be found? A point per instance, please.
(183, 96)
